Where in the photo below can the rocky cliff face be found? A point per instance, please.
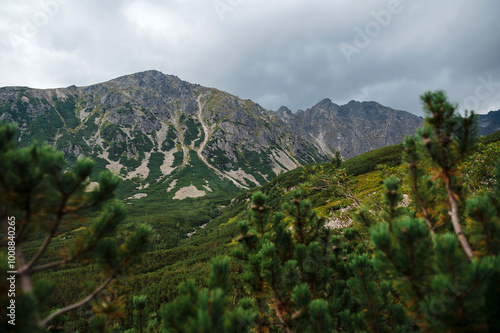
(489, 123)
(155, 129)
(352, 129)
(148, 126)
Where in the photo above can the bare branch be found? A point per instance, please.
(74, 306)
(52, 264)
(41, 250)
(25, 278)
(455, 220)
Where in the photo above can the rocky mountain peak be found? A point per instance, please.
(489, 123)
(284, 112)
(323, 104)
(353, 128)
(156, 130)
(153, 128)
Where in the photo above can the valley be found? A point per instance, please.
(191, 160)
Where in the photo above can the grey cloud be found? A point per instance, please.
(275, 53)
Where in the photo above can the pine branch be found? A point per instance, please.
(76, 305)
(280, 313)
(24, 276)
(41, 250)
(455, 220)
(420, 203)
(52, 264)
(85, 249)
(346, 190)
(22, 228)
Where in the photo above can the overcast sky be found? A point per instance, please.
(280, 52)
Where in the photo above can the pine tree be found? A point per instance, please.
(336, 159)
(433, 266)
(442, 260)
(303, 277)
(39, 195)
(205, 310)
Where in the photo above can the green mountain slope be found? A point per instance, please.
(175, 258)
(148, 126)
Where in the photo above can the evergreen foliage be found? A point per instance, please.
(367, 162)
(205, 310)
(432, 265)
(45, 196)
(428, 263)
(440, 259)
(302, 277)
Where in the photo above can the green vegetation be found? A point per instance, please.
(114, 137)
(67, 110)
(155, 162)
(494, 137)
(192, 131)
(42, 126)
(169, 142)
(41, 197)
(406, 268)
(324, 247)
(390, 156)
(261, 163)
(5, 108)
(66, 140)
(89, 128)
(219, 159)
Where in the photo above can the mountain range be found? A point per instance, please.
(158, 131)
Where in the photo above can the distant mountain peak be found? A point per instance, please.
(353, 128)
(284, 111)
(324, 103)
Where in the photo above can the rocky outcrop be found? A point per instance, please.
(123, 122)
(489, 123)
(148, 126)
(352, 129)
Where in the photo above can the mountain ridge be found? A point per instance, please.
(352, 128)
(126, 123)
(149, 126)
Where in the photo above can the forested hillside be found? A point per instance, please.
(367, 244)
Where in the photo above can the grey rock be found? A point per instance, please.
(352, 129)
(489, 123)
(139, 105)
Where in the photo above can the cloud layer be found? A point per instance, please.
(291, 53)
